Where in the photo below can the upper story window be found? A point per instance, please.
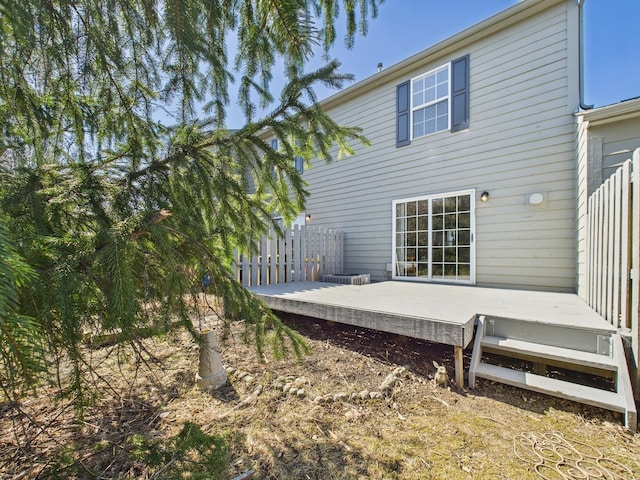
(434, 101)
(298, 162)
(275, 146)
(430, 102)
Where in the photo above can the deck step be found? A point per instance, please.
(550, 386)
(620, 401)
(548, 352)
(596, 340)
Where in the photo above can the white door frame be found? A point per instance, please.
(472, 250)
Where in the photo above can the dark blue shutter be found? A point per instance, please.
(274, 145)
(460, 93)
(403, 114)
(298, 161)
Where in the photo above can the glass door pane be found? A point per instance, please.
(411, 241)
(451, 238)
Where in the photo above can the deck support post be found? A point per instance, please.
(539, 369)
(459, 365)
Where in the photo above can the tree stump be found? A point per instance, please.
(211, 374)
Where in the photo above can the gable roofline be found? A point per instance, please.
(521, 11)
(612, 113)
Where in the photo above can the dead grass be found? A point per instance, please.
(420, 431)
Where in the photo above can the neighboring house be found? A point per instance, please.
(606, 137)
(487, 111)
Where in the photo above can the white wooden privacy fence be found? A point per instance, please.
(613, 244)
(302, 254)
(613, 249)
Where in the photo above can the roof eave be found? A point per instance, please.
(612, 113)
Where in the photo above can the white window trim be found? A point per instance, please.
(413, 108)
(472, 222)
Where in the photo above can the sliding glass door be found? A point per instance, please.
(433, 238)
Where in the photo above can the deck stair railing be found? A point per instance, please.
(301, 254)
(613, 253)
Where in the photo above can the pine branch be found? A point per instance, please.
(88, 175)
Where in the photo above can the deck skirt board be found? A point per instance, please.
(424, 328)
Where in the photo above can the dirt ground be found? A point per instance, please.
(333, 429)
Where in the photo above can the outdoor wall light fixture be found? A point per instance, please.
(536, 199)
(484, 197)
(308, 218)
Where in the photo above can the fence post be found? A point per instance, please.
(597, 260)
(254, 269)
(617, 250)
(298, 254)
(605, 250)
(626, 246)
(635, 282)
(328, 267)
(288, 263)
(609, 253)
(281, 255)
(245, 270)
(309, 256)
(590, 242)
(263, 260)
(309, 239)
(324, 243)
(315, 251)
(340, 252)
(273, 259)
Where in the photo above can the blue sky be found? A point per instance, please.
(405, 27)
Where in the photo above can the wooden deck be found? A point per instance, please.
(438, 313)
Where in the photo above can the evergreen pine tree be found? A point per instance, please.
(110, 215)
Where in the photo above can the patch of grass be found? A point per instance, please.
(190, 454)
